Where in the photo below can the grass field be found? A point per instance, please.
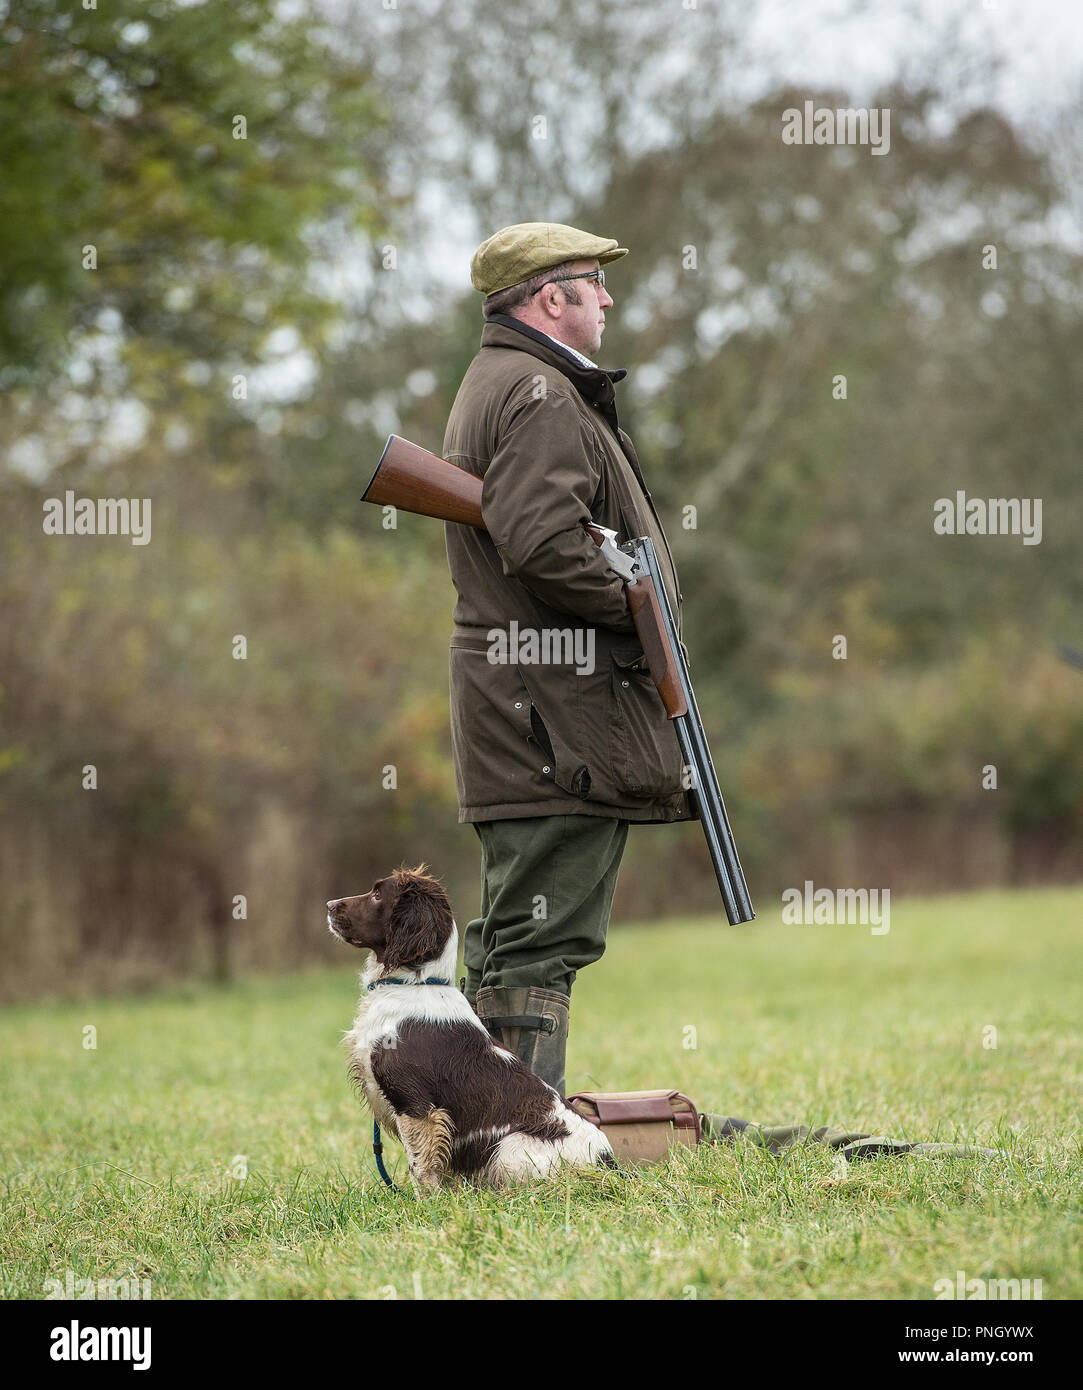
(210, 1142)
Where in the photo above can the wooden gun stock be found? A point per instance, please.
(409, 477)
(647, 616)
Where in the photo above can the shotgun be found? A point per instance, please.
(412, 479)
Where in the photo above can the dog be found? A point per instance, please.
(464, 1109)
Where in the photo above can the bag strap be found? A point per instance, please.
(638, 1107)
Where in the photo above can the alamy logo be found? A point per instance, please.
(861, 906)
(97, 516)
(845, 126)
(71, 1287)
(1002, 1289)
(549, 646)
(75, 1343)
(995, 516)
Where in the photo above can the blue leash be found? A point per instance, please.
(377, 1145)
(378, 1150)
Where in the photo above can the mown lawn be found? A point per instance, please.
(129, 1158)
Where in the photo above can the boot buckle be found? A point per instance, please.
(545, 1024)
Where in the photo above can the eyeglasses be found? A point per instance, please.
(598, 276)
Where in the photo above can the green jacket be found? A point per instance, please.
(535, 732)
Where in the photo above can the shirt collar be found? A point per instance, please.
(584, 361)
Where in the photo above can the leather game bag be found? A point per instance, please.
(640, 1125)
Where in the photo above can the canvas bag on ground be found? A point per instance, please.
(640, 1125)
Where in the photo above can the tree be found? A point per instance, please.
(169, 172)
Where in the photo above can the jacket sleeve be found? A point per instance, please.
(536, 494)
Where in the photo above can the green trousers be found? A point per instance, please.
(547, 885)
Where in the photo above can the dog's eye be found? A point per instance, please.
(376, 894)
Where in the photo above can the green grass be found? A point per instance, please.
(116, 1160)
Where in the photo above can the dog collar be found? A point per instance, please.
(391, 980)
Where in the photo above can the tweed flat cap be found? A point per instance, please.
(515, 254)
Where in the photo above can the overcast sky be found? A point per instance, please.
(1040, 41)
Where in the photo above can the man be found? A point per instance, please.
(559, 741)
(559, 736)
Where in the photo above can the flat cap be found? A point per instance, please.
(515, 254)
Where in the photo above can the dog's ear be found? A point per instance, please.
(420, 923)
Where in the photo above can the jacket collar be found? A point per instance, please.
(594, 384)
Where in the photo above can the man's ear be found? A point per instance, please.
(420, 925)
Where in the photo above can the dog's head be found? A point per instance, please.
(405, 920)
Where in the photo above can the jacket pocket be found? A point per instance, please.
(496, 762)
(604, 736)
(555, 731)
(646, 754)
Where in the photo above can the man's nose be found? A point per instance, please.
(605, 299)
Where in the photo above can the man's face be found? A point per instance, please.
(580, 325)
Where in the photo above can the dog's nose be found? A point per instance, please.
(333, 904)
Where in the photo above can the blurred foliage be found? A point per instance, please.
(120, 129)
(759, 273)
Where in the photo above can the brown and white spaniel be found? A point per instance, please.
(464, 1109)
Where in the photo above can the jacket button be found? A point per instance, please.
(545, 769)
(518, 704)
(625, 684)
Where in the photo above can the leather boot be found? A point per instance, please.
(532, 1023)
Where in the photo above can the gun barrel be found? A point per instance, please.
(716, 827)
(697, 755)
